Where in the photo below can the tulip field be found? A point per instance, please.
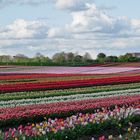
(70, 103)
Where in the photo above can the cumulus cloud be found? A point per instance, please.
(21, 34)
(93, 21)
(73, 5)
(21, 29)
(93, 29)
(61, 4)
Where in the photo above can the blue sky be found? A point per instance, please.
(129, 8)
(50, 26)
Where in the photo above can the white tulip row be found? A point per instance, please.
(22, 102)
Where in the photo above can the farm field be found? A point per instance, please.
(70, 103)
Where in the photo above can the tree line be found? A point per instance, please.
(65, 59)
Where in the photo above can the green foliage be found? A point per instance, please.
(127, 58)
(63, 92)
(90, 129)
(101, 57)
(64, 59)
(58, 59)
(111, 59)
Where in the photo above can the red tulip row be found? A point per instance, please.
(1, 67)
(31, 76)
(67, 84)
(64, 107)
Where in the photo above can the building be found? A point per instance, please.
(136, 55)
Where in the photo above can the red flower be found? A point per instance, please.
(102, 138)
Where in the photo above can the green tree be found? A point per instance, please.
(78, 59)
(101, 57)
(59, 58)
(70, 57)
(128, 57)
(111, 59)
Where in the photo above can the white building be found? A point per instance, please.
(136, 55)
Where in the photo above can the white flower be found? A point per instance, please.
(120, 136)
(44, 132)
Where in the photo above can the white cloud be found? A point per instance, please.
(94, 30)
(71, 4)
(55, 31)
(61, 4)
(94, 22)
(21, 29)
(135, 22)
(21, 34)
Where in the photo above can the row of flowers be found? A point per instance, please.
(76, 97)
(32, 76)
(25, 113)
(64, 92)
(77, 70)
(49, 79)
(67, 84)
(1, 67)
(50, 128)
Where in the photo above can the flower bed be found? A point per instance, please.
(30, 113)
(28, 99)
(32, 76)
(76, 125)
(64, 92)
(76, 97)
(67, 84)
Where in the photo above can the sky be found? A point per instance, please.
(51, 26)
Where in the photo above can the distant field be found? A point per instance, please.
(117, 64)
(103, 69)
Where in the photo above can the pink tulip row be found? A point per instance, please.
(74, 70)
(64, 107)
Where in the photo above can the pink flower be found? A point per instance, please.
(102, 138)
